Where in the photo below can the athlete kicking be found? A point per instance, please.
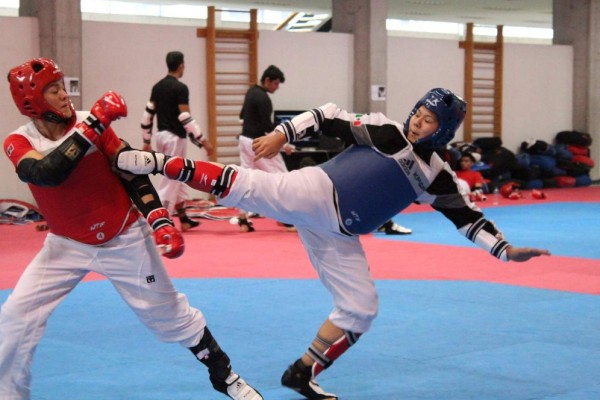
(388, 167)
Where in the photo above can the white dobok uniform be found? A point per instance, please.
(354, 193)
(93, 227)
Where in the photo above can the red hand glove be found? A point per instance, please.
(167, 238)
(509, 188)
(538, 194)
(110, 107)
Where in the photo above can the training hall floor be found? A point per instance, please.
(454, 323)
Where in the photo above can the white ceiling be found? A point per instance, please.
(524, 13)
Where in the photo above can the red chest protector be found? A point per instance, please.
(91, 206)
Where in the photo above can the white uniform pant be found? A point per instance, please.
(171, 192)
(304, 198)
(131, 263)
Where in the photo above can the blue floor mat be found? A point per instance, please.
(547, 225)
(432, 340)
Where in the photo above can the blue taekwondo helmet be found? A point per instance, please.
(450, 110)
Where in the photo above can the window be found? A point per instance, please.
(9, 8)
(111, 7)
(170, 13)
(453, 30)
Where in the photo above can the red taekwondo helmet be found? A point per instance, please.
(450, 110)
(27, 84)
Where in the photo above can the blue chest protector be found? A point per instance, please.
(371, 188)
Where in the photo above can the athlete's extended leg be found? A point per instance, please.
(299, 197)
(208, 177)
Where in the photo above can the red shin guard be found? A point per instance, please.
(201, 175)
(324, 359)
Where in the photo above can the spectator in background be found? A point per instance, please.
(256, 116)
(169, 101)
(471, 181)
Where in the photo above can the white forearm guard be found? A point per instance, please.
(148, 122)
(294, 129)
(495, 245)
(140, 162)
(190, 126)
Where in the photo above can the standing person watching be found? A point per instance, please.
(96, 224)
(169, 101)
(256, 115)
(389, 166)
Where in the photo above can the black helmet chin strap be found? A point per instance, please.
(54, 118)
(49, 116)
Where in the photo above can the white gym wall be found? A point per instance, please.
(130, 58)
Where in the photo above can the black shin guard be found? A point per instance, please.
(209, 353)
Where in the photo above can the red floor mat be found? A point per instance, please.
(217, 249)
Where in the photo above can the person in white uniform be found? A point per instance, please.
(96, 221)
(389, 166)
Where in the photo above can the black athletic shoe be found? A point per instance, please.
(223, 379)
(245, 225)
(298, 377)
(187, 223)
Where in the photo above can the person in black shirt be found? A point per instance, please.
(169, 101)
(256, 115)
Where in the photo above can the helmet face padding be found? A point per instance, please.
(450, 110)
(27, 84)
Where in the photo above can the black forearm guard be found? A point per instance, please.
(56, 166)
(139, 187)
